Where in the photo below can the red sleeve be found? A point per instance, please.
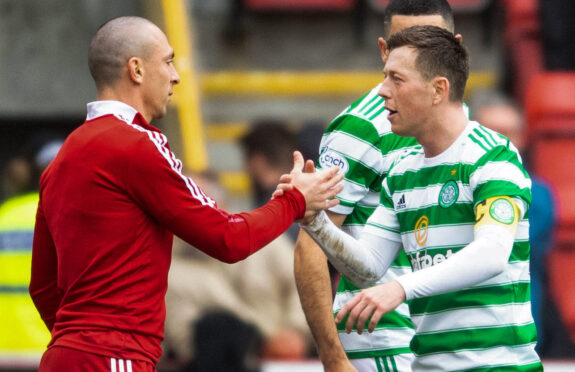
(155, 182)
(43, 283)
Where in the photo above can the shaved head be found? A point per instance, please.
(115, 42)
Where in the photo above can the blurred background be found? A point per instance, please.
(292, 66)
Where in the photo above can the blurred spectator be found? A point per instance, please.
(308, 139)
(23, 334)
(497, 112)
(225, 343)
(558, 29)
(259, 290)
(17, 177)
(268, 149)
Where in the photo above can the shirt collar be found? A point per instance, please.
(119, 109)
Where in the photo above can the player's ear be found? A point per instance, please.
(440, 89)
(383, 49)
(136, 70)
(459, 38)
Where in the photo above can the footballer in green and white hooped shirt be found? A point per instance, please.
(361, 143)
(458, 207)
(434, 205)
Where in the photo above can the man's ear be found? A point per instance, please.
(441, 89)
(459, 38)
(383, 48)
(136, 70)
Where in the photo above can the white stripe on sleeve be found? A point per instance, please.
(160, 141)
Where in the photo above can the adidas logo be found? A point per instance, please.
(401, 203)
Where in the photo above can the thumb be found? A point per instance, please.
(298, 161)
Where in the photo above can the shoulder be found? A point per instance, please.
(113, 139)
(486, 145)
(367, 115)
(408, 159)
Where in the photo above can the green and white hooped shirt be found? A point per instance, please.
(428, 204)
(361, 143)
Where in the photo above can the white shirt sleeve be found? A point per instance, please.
(480, 260)
(362, 261)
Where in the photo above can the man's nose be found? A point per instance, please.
(384, 90)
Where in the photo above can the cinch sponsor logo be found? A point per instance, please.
(419, 262)
(329, 159)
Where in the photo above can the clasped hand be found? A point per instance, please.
(318, 188)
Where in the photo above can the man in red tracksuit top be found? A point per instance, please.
(110, 202)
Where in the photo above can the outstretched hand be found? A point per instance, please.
(318, 188)
(371, 303)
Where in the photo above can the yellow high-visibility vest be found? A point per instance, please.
(23, 334)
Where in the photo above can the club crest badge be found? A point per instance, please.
(448, 194)
(501, 210)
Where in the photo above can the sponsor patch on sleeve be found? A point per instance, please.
(329, 158)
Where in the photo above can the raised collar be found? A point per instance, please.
(119, 109)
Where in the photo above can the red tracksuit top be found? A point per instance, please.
(109, 204)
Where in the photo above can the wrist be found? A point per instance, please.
(403, 285)
(333, 357)
(315, 224)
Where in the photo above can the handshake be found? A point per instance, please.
(318, 188)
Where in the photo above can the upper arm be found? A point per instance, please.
(501, 211)
(352, 144)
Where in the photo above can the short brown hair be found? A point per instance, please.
(439, 54)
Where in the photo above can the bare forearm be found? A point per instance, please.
(314, 288)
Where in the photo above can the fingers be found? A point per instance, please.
(329, 177)
(332, 192)
(331, 203)
(298, 162)
(346, 308)
(358, 310)
(378, 313)
(329, 172)
(309, 166)
(285, 178)
(334, 180)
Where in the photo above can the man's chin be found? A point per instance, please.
(396, 129)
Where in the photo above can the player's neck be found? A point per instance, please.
(445, 127)
(126, 94)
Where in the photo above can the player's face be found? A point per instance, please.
(399, 22)
(160, 77)
(408, 96)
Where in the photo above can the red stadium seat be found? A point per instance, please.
(550, 103)
(298, 5)
(458, 6)
(550, 118)
(523, 43)
(550, 160)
